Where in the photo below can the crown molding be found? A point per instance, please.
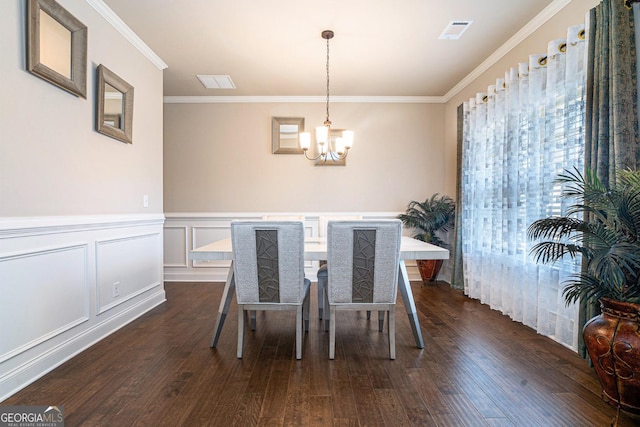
(550, 11)
(117, 23)
(546, 14)
(303, 99)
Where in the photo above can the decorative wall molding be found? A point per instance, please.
(183, 235)
(549, 12)
(126, 32)
(63, 269)
(123, 254)
(30, 226)
(15, 271)
(14, 379)
(303, 99)
(204, 228)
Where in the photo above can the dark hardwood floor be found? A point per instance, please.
(479, 368)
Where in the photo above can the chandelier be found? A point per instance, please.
(332, 146)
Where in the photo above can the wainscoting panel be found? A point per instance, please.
(205, 228)
(57, 280)
(126, 267)
(175, 254)
(44, 301)
(203, 235)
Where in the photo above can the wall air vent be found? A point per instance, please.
(454, 30)
(216, 82)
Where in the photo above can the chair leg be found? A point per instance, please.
(299, 332)
(321, 286)
(252, 319)
(326, 304)
(306, 306)
(380, 320)
(332, 332)
(241, 315)
(392, 332)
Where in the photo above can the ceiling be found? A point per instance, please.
(274, 48)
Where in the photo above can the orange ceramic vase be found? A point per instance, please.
(429, 269)
(613, 342)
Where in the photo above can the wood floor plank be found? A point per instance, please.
(478, 368)
(298, 401)
(342, 397)
(391, 408)
(368, 411)
(277, 391)
(320, 411)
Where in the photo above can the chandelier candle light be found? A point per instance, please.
(337, 149)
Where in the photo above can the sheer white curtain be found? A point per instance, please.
(518, 137)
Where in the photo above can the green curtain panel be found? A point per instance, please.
(611, 125)
(457, 279)
(611, 140)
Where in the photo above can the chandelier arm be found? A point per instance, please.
(338, 157)
(312, 158)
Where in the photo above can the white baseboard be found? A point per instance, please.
(38, 366)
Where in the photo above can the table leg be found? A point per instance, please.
(407, 296)
(225, 302)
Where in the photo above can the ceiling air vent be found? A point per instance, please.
(454, 30)
(216, 82)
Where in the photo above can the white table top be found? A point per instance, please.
(316, 249)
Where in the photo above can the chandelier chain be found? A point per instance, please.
(328, 81)
(334, 149)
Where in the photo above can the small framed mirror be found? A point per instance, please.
(57, 46)
(114, 116)
(285, 135)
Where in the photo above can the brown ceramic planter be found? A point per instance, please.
(613, 343)
(429, 269)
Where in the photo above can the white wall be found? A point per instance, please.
(72, 222)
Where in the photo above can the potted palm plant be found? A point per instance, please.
(435, 215)
(603, 227)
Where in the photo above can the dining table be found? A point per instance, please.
(315, 249)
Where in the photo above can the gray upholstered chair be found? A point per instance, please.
(268, 263)
(323, 220)
(363, 259)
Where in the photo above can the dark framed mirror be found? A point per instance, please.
(57, 46)
(114, 106)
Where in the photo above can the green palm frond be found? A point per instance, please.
(435, 214)
(603, 226)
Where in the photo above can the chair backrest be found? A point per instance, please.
(363, 258)
(268, 261)
(323, 220)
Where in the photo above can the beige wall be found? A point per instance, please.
(218, 158)
(556, 27)
(52, 161)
